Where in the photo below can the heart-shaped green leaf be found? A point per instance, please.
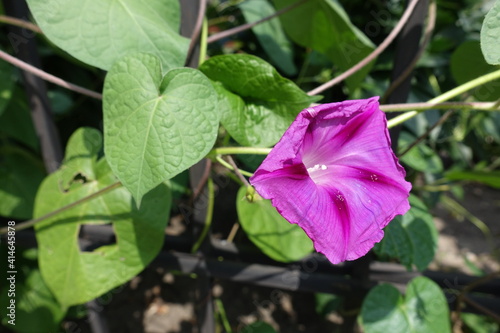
(155, 127)
(423, 309)
(266, 228)
(80, 157)
(99, 32)
(411, 238)
(324, 26)
(257, 103)
(489, 35)
(75, 276)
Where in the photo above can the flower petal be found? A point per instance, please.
(334, 173)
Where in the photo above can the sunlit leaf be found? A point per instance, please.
(156, 126)
(257, 104)
(489, 35)
(99, 32)
(75, 276)
(266, 228)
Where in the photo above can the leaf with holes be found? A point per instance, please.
(75, 276)
(156, 126)
(258, 104)
(489, 35)
(423, 309)
(411, 238)
(266, 228)
(99, 32)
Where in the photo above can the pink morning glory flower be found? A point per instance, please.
(334, 174)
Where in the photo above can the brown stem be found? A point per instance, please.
(203, 180)
(482, 280)
(48, 77)
(481, 308)
(429, 130)
(197, 28)
(371, 56)
(30, 223)
(237, 171)
(229, 32)
(462, 297)
(20, 23)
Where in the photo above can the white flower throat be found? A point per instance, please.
(319, 173)
(317, 167)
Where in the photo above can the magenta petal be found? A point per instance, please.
(334, 174)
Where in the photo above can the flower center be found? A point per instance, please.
(317, 172)
(316, 168)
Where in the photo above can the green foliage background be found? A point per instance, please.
(158, 118)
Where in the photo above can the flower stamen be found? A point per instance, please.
(317, 167)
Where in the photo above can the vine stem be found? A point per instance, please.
(237, 171)
(30, 223)
(197, 29)
(446, 96)
(48, 77)
(485, 106)
(230, 167)
(429, 130)
(462, 297)
(390, 38)
(229, 32)
(239, 150)
(20, 23)
(208, 217)
(203, 43)
(201, 184)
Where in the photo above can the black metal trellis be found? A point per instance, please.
(313, 274)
